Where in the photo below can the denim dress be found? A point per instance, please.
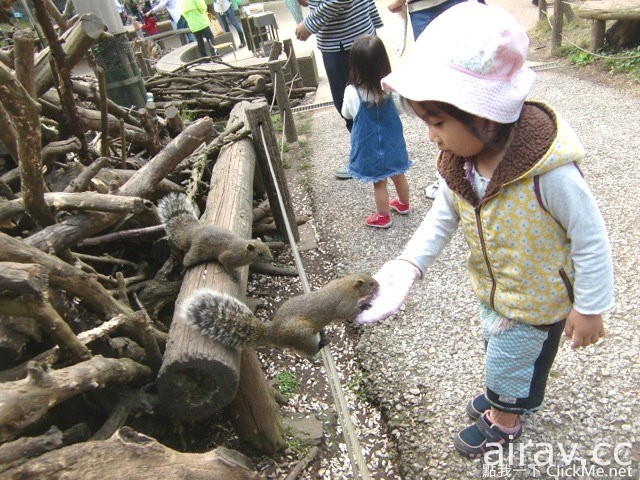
(378, 149)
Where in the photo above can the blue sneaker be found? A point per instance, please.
(477, 406)
(482, 436)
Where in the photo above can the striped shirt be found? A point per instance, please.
(337, 23)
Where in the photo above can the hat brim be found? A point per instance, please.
(428, 81)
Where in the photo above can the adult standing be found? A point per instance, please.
(227, 15)
(195, 12)
(421, 13)
(336, 24)
(177, 20)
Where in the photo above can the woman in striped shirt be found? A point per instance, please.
(336, 24)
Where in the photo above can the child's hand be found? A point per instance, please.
(583, 329)
(395, 278)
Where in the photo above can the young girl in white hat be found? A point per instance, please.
(539, 257)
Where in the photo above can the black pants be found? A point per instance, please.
(204, 37)
(337, 64)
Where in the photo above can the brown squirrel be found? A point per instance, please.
(297, 324)
(203, 243)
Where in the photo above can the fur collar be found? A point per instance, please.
(534, 134)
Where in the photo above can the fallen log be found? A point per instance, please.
(199, 376)
(75, 43)
(142, 183)
(131, 455)
(51, 356)
(62, 275)
(23, 402)
(80, 201)
(29, 447)
(24, 290)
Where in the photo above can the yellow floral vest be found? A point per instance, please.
(519, 260)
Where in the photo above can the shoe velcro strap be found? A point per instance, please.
(492, 435)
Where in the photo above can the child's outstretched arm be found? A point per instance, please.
(396, 277)
(583, 330)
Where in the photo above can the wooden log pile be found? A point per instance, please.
(90, 344)
(215, 91)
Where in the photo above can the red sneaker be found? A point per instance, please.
(378, 220)
(398, 206)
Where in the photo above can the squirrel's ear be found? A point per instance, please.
(250, 246)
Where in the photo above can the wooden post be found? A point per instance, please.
(556, 35)
(254, 412)
(292, 61)
(143, 64)
(598, 28)
(198, 375)
(261, 127)
(542, 9)
(280, 91)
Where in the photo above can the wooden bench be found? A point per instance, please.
(599, 11)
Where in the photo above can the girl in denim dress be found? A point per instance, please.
(378, 148)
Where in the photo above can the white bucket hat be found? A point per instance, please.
(471, 56)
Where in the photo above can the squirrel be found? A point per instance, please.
(297, 324)
(203, 243)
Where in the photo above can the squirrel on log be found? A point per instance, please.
(202, 243)
(297, 323)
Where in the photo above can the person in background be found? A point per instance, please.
(177, 20)
(378, 148)
(195, 13)
(121, 11)
(227, 15)
(336, 24)
(539, 256)
(149, 23)
(421, 13)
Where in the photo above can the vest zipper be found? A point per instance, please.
(484, 254)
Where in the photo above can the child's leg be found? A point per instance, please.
(381, 196)
(518, 362)
(402, 187)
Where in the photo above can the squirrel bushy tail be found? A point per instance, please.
(224, 318)
(180, 218)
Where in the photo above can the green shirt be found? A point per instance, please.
(195, 13)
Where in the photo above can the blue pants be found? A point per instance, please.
(422, 18)
(230, 16)
(518, 362)
(336, 64)
(182, 23)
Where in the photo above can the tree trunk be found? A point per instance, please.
(133, 456)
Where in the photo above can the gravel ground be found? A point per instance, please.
(425, 363)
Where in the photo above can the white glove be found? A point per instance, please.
(395, 278)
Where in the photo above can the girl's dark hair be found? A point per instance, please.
(495, 139)
(369, 64)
